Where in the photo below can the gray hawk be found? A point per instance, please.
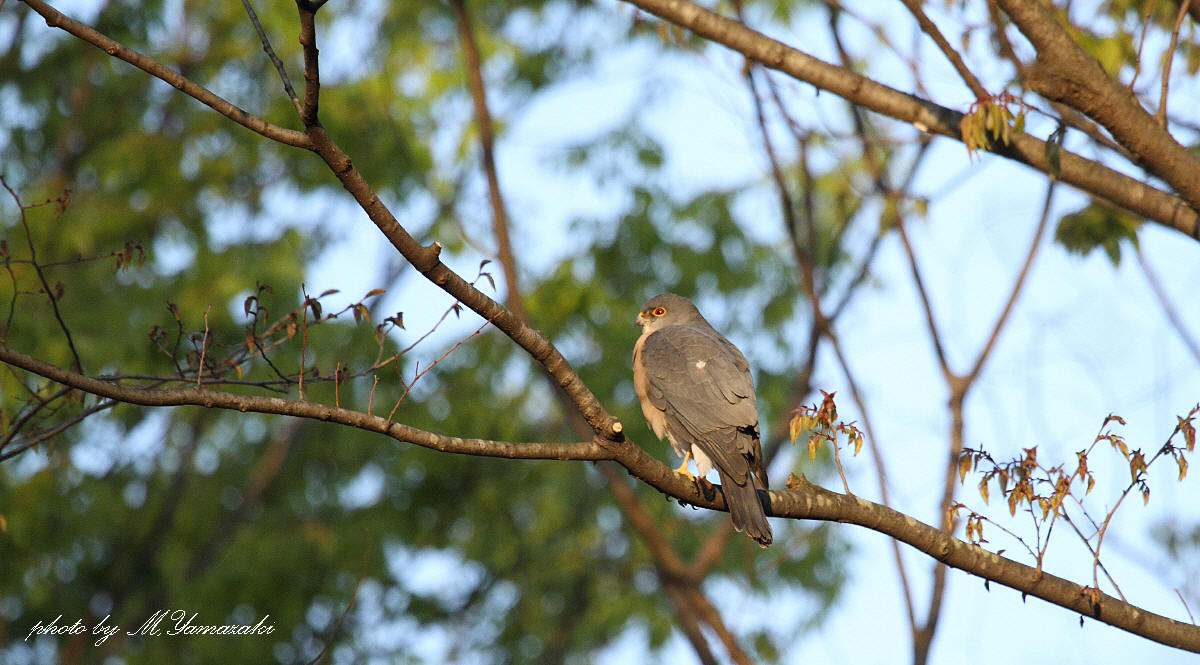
(696, 391)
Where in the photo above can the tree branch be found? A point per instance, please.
(275, 61)
(487, 146)
(1015, 292)
(1064, 72)
(690, 604)
(930, 28)
(802, 500)
(56, 19)
(426, 260)
(1085, 174)
(585, 450)
(1168, 57)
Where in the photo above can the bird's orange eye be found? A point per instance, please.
(659, 311)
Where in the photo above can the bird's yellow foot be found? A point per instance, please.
(682, 468)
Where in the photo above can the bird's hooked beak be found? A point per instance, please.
(641, 320)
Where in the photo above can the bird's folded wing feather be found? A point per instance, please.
(703, 386)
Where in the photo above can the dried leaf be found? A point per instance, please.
(1189, 432)
(1137, 465)
(828, 411)
(814, 440)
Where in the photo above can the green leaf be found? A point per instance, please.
(1097, 226)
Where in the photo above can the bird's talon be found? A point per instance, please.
(682, 469)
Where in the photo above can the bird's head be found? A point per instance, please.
(667, 309)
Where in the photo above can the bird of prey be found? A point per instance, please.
(696, 391)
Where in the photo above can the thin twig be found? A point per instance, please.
(337, 625)
(25, 416)
(418, 375)
(1137, 56)
(1015, 292)
(278, 64)
(56, 19)
(1095, 556)
(935, 335)
(203, 348)
(930, 28)
(303, 341)
(1168, 307)
(1185, 607)
(1169, 57)
(43, 435)
(37, 268)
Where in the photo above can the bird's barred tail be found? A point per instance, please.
(745, 508)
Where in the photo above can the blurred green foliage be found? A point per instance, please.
(162, 220)
(240, 516)
(1097, 226)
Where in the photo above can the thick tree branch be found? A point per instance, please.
(812, 502)
(1064, 72)
(426, 260)
(802, 500)
(589, 450)
(1085, 174)
(686, 596)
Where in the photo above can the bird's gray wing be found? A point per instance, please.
(703, 386)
